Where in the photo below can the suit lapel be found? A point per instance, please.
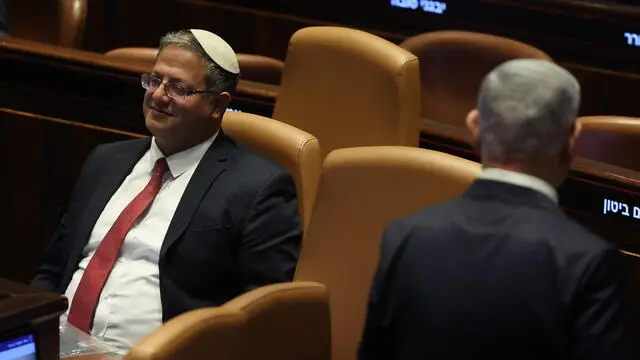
(118, 169)
(213, 163)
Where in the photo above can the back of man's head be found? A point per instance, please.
(526, 109)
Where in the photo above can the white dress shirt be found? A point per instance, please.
(129, 307)
(520, 179)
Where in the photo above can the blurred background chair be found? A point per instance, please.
(140, 54)
(293, 149)
(287, 321)
(32, 20)
(350, 88)
(613, 140)
(361, 190)
(253, 67)
(260, 68)
(452, 66)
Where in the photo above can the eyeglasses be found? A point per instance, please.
(173, 88)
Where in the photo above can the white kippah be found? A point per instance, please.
(218, 50)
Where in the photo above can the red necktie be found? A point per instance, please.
(95, 276)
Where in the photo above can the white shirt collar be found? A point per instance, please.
(183, 160)
(520, 179)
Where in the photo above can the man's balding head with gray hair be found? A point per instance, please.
(526, 108)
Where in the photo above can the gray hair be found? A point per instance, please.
(217, 79)
(526, 107)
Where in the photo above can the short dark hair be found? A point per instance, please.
(217, 79)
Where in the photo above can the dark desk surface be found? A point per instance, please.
(19, 304)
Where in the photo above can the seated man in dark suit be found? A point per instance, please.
(502, 272)
(183, 220)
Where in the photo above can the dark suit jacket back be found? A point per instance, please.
(500, 273)
(236, 226)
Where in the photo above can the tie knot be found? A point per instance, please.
(161, 167)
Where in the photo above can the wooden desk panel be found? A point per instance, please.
(45, 156)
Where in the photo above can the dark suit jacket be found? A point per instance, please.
(499, 273)
(235, 228)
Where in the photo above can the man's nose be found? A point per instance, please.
(160, 92)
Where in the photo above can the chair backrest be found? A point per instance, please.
(360, 191)
(350, 88)
(452, 66)
(613, 140)
(260, 68)
(253, 67)
(275, 322)
(73, 14)
(140, 54)
(293, 149)
(33, 20)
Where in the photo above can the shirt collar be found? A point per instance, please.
(183, 160)
(520, 179)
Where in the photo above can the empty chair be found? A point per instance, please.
(253, 67)
(58, 22)
(350, 88)
(291, 148)
(260, 68)
(361, 190)
(613, 140)
(141, 54)
(287, 321)
(452, 66)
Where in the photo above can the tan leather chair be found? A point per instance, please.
(613, 140)
(292, 148)
(275, 322)
(350, 88)
(452, 66)
(33, 20)
(260, 68)
(253, 67)
(140, 54)
(360, 191)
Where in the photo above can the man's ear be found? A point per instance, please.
(473, 124)
(572, 140)
(220, 104)
(577, 129)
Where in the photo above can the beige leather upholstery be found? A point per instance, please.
(291, 148)
(260, 68)
(143, 54)
(275, 322)
(253, 67)
(452, 66)
(360, 191)
(59, 22)
(350, 88)
(73, 14)
(610, 139)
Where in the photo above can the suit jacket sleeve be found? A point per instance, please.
(378, 337)
(598, 331)
(271, 234)
(56, 256)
